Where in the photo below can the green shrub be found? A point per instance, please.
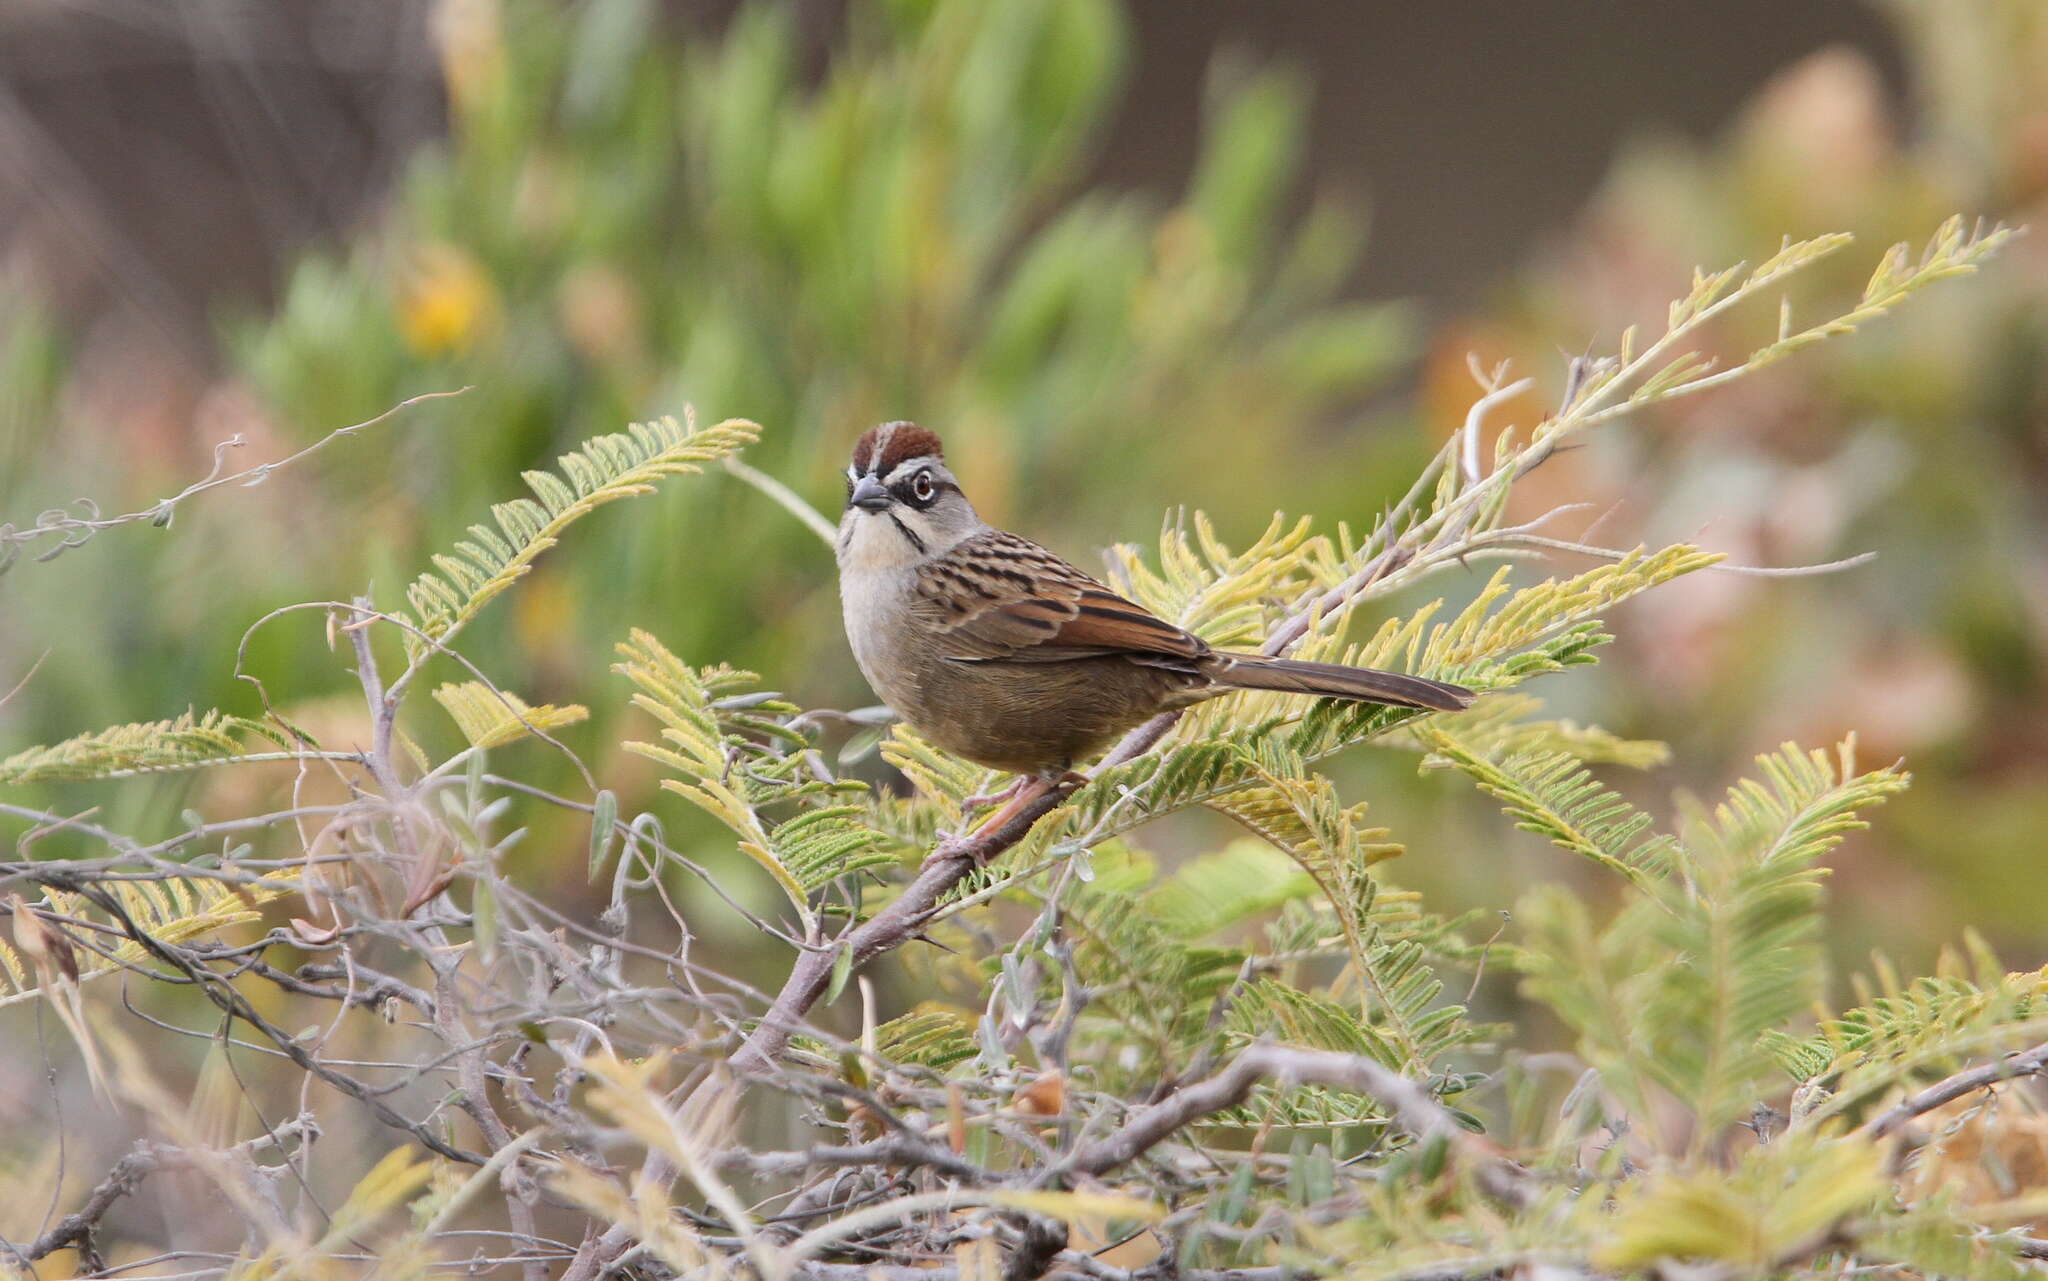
(1254, 1062)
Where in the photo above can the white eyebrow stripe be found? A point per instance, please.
(881, 446)
(909, 464)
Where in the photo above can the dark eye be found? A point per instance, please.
(921, 487)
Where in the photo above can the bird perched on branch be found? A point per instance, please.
(999, 651)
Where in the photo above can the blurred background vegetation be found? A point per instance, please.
(1118, 255)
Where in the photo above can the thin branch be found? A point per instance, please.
(786, 498)
(76, 1230)
(888, 929)
(2026, 1063)
(223, 994)
(1516, 538)
(78, 529)
(896, 1150)
(1412, 1107)
(1475, 421)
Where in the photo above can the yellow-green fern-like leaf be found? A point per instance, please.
(489, 718)
(175, 909)
(1552, 794)
(184, 742)
(737, 755)
(1777, 1197)
(1221, 595)
(605, 470)
(929, 1036)
(1212, 892)
(1742, 921)
(934, 774)
(1901, 1032)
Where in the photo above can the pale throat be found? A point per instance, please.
(869, 543)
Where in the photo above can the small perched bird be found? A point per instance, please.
(999, 651)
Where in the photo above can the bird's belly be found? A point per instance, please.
(1032, 718)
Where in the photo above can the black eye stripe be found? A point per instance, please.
(906, 491)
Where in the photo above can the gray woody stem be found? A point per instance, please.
(75, 1230)
(1411, 1105)
(888, 929)
(2026, 1063)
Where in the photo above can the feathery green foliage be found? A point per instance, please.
(936, 1039)
(1505, 724)
(1212, 892)
(492, 718)
(1956, 248)
(737, 756)
(175, 909)
(1968, 1008)
(1770, 1206)
(1554, 795)
(604, 470)
(1740, 919)
(1153, 985)
(183, 742)
(1935, 1243)
(928, 1037)
(1221, 595)
(1395, 991)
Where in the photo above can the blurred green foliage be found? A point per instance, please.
(629, 216)
(1925, 440)
(627, 219)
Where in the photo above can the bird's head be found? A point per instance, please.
(902, 504)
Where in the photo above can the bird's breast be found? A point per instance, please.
(876, 608)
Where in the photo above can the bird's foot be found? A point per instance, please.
(1019, 795)
(1026, 792)
(972, 805)
(982, 800)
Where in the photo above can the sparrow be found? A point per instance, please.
(1000, 652)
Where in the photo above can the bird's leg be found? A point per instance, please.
(982, 800)
(1029, 789)
(1025, 789)
(971, 805)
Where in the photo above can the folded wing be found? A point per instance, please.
(998, 597)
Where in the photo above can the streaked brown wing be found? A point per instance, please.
(998, 596)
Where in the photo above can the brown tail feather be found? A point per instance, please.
(1330, 680)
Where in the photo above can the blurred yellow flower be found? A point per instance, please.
(445, 300)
